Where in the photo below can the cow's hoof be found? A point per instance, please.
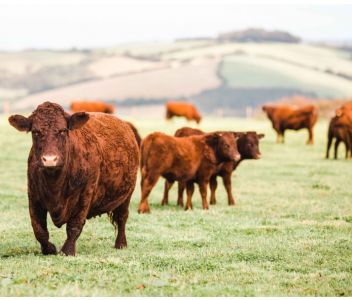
(68, 250)
(206, 207)
(121, 244)
(49, 250)
(144, 211)
(212, 202)
(163, 202)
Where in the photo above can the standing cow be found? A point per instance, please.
(182, 109)
(184, 159)
(80, 166)
(340, 129)
(248, 147)
(285, 117)
(92, 106)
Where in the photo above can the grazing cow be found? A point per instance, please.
(92, 106)
(286, 117)
(182, 109)
(185, 159)
(248, 147)
(340, 128)
(135, 132)
(80, 166)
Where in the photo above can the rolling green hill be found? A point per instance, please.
(138, 73)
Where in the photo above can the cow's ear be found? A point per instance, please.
(21, 123)
(338, 112)
(261, 135)
(77, 120)
(212, 139)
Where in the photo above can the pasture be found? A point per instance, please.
(290, 233)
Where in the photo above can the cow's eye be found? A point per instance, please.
(63, 132)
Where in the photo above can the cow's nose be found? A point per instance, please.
(258, 156)
(237, 157)
(49, 160)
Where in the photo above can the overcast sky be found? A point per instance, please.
(98, 23)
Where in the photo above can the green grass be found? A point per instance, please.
(290, 233)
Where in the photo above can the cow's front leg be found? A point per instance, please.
(38, 219)
(73, 230)
(213, 186)
(75, 224)
(203, 192)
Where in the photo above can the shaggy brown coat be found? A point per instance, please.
(248, 147)
(80, 166)
(285, 117)
(92, 106)
(182, 109)
(185, 159)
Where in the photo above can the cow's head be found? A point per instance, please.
(224, 145)
(50, 126)
(197, 117)
(248, 144)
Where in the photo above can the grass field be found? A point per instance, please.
(290, 233)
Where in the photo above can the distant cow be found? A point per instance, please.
(92, 106)
(285, 117)
(80, 166)
(340, 129)
(248, 147)
(185, 159)
(182, 109)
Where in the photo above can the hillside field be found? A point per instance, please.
(290, 233)
(175, 70)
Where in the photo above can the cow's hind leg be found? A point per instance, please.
(167, 188)
(190, 190)
(181, 188)
(147, 184)
(310, 136)
(337, 142)
(119, 219)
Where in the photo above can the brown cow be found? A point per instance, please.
(185, 159)
(285, 117)
(92, 106)
(248, 147)
(80, 166)
(340, 128)
(182, 109)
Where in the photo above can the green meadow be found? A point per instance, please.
(290, 233)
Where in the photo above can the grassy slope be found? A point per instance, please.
(252, 71)
(290, 233)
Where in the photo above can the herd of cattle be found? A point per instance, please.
(82, 165)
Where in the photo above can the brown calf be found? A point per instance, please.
(285, 117)
(248, 147)
(185, 159)
(80, 166)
